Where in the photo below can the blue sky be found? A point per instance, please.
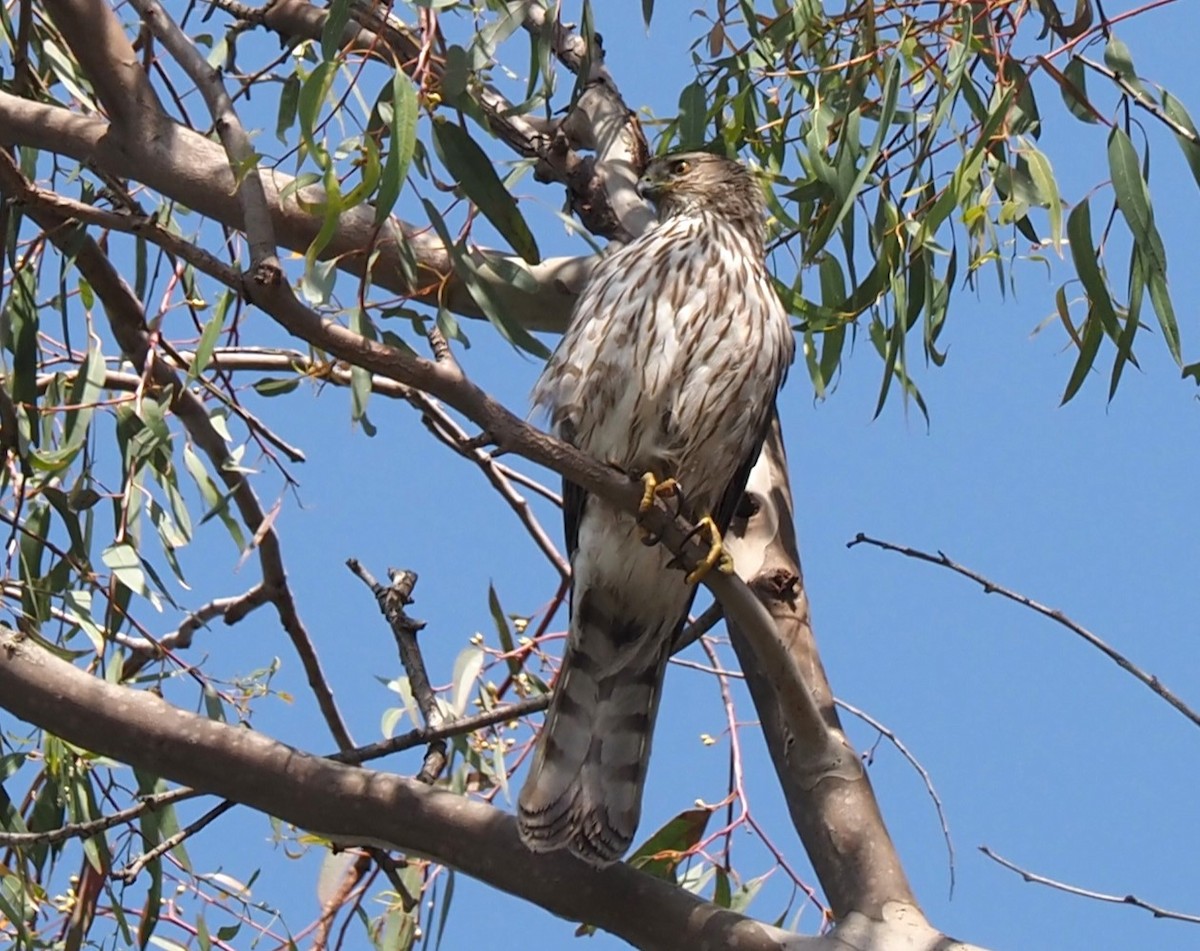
(1039, 747)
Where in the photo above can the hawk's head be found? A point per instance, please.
(686, 182)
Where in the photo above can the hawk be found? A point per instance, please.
(668, 371)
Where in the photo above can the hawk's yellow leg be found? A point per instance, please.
(652, 489)
(717, 556)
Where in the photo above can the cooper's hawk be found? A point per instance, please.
(669, 368)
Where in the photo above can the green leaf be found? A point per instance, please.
(212, 496)
(1073, 87)
(456, 73)
(1189, 143)
(313, 91)
(1118, 58)
(77, 606)
(361, 380)
(335, 26)
(1133, 200)
(330, 211)
(647, 12)
(403, 142)
(660, 854)
(745, 893)
(123, 559)
(503, 631)
(693, 115)
(273, 386)
(1087, 266)
(1137, 288)
(19, 329)
(1165, 311)
(480, 290)
(1133, 197)
(473, 170)
(466, 668)
(289, 100)
(721, 892)
(209, 337)
(1042, 174)
(1093, 333)
(82, 397)
(165, 943)
(867, 162)
(447, 897)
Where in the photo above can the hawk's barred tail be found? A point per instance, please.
(584, 790)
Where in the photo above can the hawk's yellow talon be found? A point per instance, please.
(652, 489)
(717, 556)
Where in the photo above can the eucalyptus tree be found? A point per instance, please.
(181, 278)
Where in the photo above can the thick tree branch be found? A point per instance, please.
(98, 39)
(355, 805)
(828, 792)
(602, 188)
(191, 169)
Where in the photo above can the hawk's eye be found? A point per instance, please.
(680, 167)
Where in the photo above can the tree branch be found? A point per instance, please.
(1033, 877)
(828, 793)
(355, 805)
(392, 602)
(990, 587)
(191, 169)
(98, 40)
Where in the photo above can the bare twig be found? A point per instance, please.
(231, 610)
(915, 764)
(990, 587)
(698, 627)
(1142, 100)
(433, 415)
(457, 727)
(392, 602)
(601, 187)
(134, 868)
(82, 830)
(1133, 900)
(390, 868)
(446, 430)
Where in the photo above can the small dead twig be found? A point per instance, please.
(230, 610)
(457, 727)
(391, 868)
(697, 628)
(346, 887)
(134, 868)
(83, 830)
(1133, 900)
(392, 601)
(990, 587)
(915, 763)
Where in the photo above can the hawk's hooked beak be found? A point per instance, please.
(651, 188)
